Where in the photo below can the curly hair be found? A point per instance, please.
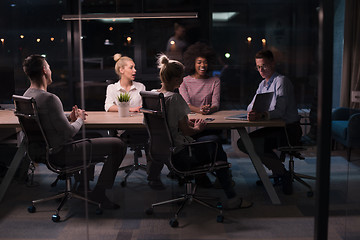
(196, 50)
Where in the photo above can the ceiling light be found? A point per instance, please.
(223, 16)
(112, 16)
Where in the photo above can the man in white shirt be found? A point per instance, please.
(283, 106)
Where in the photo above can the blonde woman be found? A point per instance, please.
(125, 69)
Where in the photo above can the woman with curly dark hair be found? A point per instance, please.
(200, 90)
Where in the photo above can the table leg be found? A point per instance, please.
(12, 170)
(259, 167)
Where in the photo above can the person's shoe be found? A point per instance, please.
(238, 203)
(203, 181)
(156, 184)
(287, 186)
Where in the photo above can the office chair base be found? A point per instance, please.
(129, 169)
(64, 196)
(188, 198)
(299, 177)
(295, 152)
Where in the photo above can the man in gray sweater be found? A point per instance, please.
(60, 129)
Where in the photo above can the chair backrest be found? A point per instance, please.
(155, 119)
(37, 144)
(38, 148)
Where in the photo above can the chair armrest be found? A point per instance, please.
(62, 154)
(189, 145)
(212, 162)
(211, 166)
(69, 143)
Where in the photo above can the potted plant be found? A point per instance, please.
(124, 104)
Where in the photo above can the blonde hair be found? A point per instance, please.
(169, 68)
(121, 62)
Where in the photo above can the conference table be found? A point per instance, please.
(111, 120)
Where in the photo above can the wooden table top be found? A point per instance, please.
(107, 120)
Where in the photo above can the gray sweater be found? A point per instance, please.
(55, 124)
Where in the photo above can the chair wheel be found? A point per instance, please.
(123, 184)
(149, 211)
(220, 219)
(174, 223)
(310, 193)
(31, 209)
(98, 211)
(55, 218)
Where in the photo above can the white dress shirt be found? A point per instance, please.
(114, 90)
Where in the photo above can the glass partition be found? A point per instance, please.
(236, 29)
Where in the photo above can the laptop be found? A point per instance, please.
(261, 104)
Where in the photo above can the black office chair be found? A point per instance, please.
(294, 152)
(161, 149)
(38, 150)
(137, 141)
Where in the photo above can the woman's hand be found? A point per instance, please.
(199, 124)
(192, 126)
(205, 109)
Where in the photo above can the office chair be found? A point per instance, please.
(161, 149)
(294, 152)
(38, 150)
(137, 141)
(345, 128)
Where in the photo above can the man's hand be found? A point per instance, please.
(81, 114)
(72, 116)
(77, 113)
(256, 116)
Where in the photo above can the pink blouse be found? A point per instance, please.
(198, 92)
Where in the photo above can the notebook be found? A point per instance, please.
(261, 104)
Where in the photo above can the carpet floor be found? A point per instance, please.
(293, 219)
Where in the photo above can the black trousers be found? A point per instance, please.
(265, 140)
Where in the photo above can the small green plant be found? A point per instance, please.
(124, 97)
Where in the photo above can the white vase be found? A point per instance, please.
(123, 109)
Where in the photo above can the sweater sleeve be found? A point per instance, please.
(59, 120)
